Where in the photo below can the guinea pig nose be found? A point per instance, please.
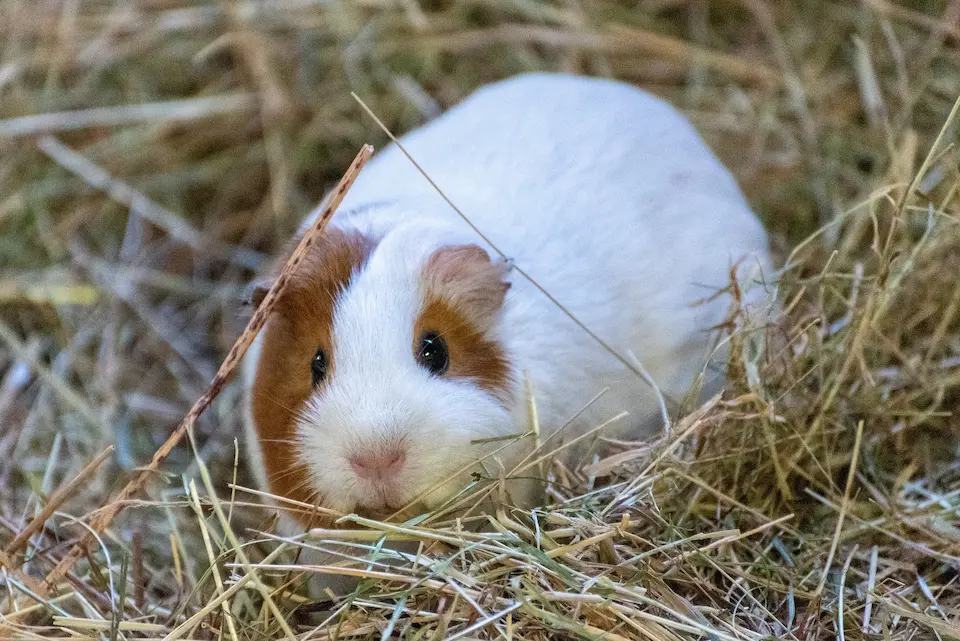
(380, 465)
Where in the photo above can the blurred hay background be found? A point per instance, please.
(152, 153)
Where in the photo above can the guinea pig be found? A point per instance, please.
(402, 357)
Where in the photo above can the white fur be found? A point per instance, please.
(603, 194)
(379, 394)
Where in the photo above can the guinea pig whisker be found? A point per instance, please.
(270, 399)
(287, 471)
(560, 431)
(526, 465)
(282, 474)
(453, 475)
(475, 495)
(464, 324)
(301, 485)
(316, 518)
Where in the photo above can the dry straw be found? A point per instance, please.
(143, 145)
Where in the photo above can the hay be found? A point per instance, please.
(153, 153)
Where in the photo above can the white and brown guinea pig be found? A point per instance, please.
(403, 343)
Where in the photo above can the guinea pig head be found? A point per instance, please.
(379, 372)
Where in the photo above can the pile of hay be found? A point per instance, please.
(152, 153)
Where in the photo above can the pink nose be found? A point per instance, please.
(381, 465)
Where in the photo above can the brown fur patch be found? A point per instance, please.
(302, 322)
(464, 295)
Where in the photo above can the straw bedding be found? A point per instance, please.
(153, 153)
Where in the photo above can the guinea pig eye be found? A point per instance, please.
(318, 367)
(432, 353)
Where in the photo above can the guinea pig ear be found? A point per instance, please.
(256, 292)
(466, 277)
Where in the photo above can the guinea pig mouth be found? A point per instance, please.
(380, 503)
(384, 511)
(375, 513)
